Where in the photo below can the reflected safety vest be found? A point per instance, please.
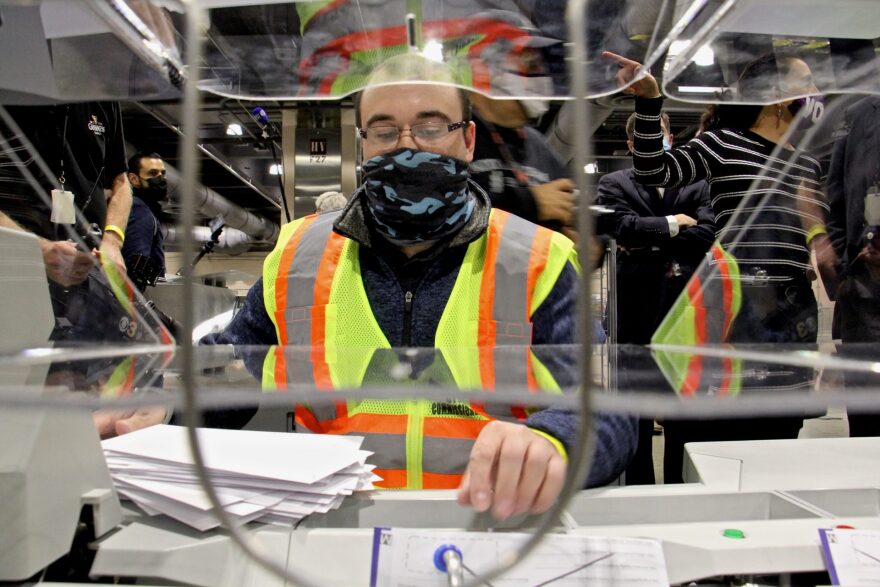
(339, 54)
(314, 294)
(703, 314)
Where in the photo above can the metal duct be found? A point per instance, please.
(231, 242)
(210, 204)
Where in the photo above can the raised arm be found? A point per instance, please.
(653, 166)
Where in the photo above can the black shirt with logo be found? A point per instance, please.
(84, 140)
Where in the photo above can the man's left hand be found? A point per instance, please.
(513, 470)
(110, 423)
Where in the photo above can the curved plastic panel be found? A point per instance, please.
(316, 50)
(134, 41)
(714, 52)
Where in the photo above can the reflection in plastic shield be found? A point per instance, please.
(717, 40)
(503, 49)
(134, 41)
(66, 278)
(781, 243)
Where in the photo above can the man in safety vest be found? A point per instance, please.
(419, 259)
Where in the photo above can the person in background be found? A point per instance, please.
(662, 235)
(84, 148)
(408, 260)
(778, 194)
(144, 249)
(330, 201)
(77, 202)
(853, 177)
(516, 166)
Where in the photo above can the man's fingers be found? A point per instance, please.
(563, 184)
(481, 466)
(142, 418)
(464, 489)
(551, 487)
(508, 474)
(533, 473)
(105, 421)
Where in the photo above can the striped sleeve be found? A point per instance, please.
(652, 165)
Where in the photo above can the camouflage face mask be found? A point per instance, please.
(415, 197)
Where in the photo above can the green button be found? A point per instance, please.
(733, 533)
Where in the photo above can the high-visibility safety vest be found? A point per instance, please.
(314, 295)
(703, 314)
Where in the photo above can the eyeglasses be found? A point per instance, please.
(427, 132)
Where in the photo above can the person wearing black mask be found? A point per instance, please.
(144, 249)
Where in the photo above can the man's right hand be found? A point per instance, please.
(555, 200)
(684, 220)
(65, 264)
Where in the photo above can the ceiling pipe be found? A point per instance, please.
(158, 115)
(230, 242)
(211, 204)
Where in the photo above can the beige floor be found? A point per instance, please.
(831, 425)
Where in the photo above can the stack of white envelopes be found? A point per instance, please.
(272, 477)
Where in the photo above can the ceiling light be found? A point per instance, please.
(704, 56)
(433, 50)
(700, 89)
(234, 130)
(275, 169)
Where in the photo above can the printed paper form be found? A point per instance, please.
(852, 556)
(404, 557)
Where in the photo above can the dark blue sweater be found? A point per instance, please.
(430, 276)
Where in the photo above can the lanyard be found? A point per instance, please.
(63, 143)
(61, 178)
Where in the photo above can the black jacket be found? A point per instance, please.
(855, 167)
(651, 264)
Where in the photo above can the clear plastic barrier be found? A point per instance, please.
(135, 41)
(309, 50)
(746, 334)
(715, 47)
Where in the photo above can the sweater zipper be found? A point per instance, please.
(407, 319)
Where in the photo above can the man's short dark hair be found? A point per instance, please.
(134, 162)
(631, 124)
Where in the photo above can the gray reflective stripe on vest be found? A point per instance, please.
(500, 411)
(510, 309)
(298, 365)
(511, 365)
(323, 411)
(389, 450)
(301, 279)
(713, 302)
(445, 456)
